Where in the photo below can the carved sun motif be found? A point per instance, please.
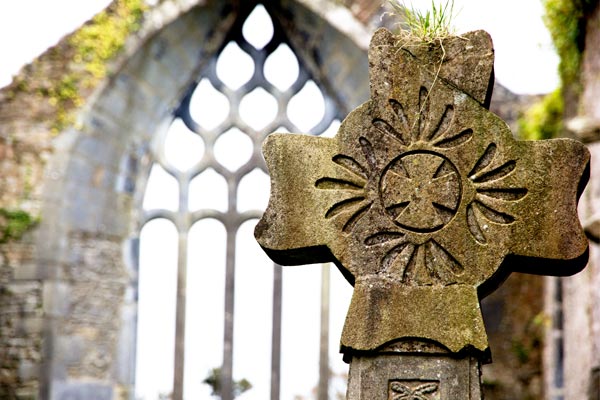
(420, 189)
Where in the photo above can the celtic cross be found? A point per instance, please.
(424, 200)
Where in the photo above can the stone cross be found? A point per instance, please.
(425, 202)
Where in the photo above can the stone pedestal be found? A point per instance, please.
(410, 376)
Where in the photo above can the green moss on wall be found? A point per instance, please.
(90, 50)
(14, 224)
(565, 21)
(544, 119)
(98, 41)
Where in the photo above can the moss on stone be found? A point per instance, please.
(543, 120)
(98, 41)
(88, 53)
(14, 224)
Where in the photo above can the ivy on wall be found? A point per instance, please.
(565, 19)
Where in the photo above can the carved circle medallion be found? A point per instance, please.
(420, 191)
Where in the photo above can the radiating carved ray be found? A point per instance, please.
(496, 173)
(508, 194)
(343, 205)
(351, 165)
(361, 212)
(383, 237)
(485, 159)
(337, 184)
(423, 113)
(494, 215)
(445, 259)
(416, 265)
(432, 268)
(398, 258)
(367, 149)
(386, 128)
(474, 227)
(399, 110)
(444, 123)
(453, 141)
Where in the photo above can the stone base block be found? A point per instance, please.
(409, 376)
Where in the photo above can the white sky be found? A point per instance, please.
(525, 61)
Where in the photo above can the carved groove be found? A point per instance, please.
(432, 265)
(349, 225)
(342, 206)
(474, 227)
(453, 141)
(367, 149)
(444, 212)
(444, 123)
(337, 184)
(508, 194)
(399, 110)
(397, 260)
(383, 237)
(493, 215)
(396, 209)
(417, 258)
(351, 165)
(392, 255)
(497, 173)
(386, 128)
(484, 160)
(423, 111)
(447, 261)
(443, 170)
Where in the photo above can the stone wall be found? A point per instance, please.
(581, 299)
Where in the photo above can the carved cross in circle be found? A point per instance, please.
(421, 191)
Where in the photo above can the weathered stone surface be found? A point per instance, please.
(466, 61)
(425, 201)
(392, 377)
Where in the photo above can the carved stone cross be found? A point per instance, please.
(425, 202)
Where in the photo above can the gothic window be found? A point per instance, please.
(208, 297)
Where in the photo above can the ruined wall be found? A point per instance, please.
(576, 36)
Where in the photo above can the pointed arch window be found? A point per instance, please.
(210, 303)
